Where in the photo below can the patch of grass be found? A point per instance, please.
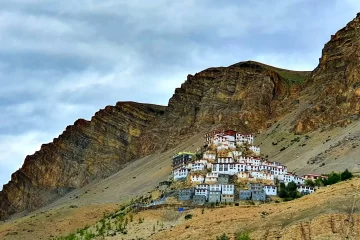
(291, 77)
(242, 235)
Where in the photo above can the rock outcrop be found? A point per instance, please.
(335, 84)
(83, 152)
(244, 97)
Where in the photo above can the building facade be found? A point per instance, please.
(244, 194)
(185, 194)
(214, 196)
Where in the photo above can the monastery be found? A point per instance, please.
(230, 169)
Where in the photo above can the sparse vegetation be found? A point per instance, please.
(334, 177)
(188, 216)
(222, 237)
(289, 192)
(242, 235)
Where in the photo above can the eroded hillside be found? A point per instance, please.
(334, 85)
(86, 151)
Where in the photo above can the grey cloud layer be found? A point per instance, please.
(62, 60)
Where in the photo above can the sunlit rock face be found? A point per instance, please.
(335, 84)
(83, 152)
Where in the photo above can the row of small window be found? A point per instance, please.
(181, 174)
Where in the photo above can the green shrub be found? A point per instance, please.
(345, 175)
(288, 192)
(333, 178)
(89, 236)
(222, 237)
(309, 182)
(188, 216)
(242, 235)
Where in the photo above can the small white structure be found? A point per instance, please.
(251, 167)
(270, 190)
(255, 150)
(243, 175)
(197, 167)
(209, 155)
(225, 160)
(197, 178)
(202, 190)
(273, 168)
(222, 145)
(225, 168)
(205, 162)
(253, 161)
(305, 189)
(215, 187)
(268, 176)
(244, 138)
(240, 167)
(210, 135)
(219, 138)
(227, 189)
(211, 177)
(289, 177)
(180, 174)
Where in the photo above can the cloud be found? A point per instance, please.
(17, 147)
(63, 60)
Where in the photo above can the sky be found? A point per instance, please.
(64, 60)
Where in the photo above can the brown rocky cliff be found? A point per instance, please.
(335, 84)
(83, 152)
(244, 97)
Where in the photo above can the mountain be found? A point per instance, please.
(335, 84)
(243, 96)
(247, 96)
(83, 152)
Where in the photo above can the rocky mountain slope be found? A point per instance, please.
(335, 84)
(83, 152)
(244, 97)
(247, 96)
